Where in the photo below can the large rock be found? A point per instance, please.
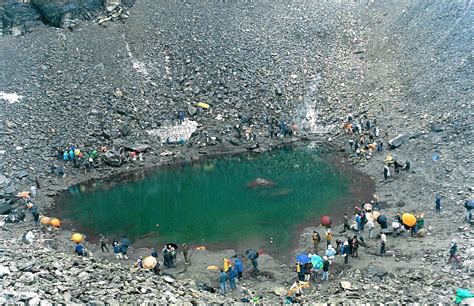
(5, 208)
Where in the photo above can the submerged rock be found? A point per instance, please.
(260, 182)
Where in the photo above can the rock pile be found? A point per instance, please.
(38, 272)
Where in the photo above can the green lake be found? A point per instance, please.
(210, 203)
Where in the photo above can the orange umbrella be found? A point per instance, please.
(408, 219)
(149, 262)
(77, 238)
(55, 222)
(375, 214)
(45, 221)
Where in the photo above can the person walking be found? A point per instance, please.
(103, 243)
(222, 281)
(316, 240)
(452, 250)
(383, 239)
(454, 258)
(438, 203)
(325, 268)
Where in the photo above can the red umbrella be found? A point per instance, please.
(326, 221)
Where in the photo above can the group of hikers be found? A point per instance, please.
(84, 158)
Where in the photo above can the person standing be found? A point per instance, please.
(36, 214)
(222, 282)
(355, 246)
(328, 236)
(386, 172)
(452, 250)
(383, 239)
(468, 205)
(316, 240)
(154, 253)
(185, 252)
(438, 203)
(345, 251)
(307, 270)
(232, 275)
(239, 267)
(103, 243)
(346, 223)
(370, 226)
(325, 268)
(351, 143)
(166, 257)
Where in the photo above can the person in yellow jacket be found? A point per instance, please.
(227, 264)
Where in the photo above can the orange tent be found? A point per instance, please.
(55, 222)
(45, 221)
(149, 262)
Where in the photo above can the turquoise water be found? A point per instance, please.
(210, 203)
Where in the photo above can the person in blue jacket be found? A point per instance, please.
(80, 250)
(232, 274)
(117, 250)
(239, 267)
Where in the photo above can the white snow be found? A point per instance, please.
(10, 97)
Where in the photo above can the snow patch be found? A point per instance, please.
(175, 133)
(10, 97)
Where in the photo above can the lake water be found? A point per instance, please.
(210, 203)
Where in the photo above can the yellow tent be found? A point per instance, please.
(408, 219)
(77, 238)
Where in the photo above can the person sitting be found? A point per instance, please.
(79, 250)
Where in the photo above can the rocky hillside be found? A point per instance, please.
(406, 64)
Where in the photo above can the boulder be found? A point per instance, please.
(398, 141)
(5, 208)
(113, 158)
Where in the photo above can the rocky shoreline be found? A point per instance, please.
(367, 59)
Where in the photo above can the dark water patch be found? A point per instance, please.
(210, 203)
